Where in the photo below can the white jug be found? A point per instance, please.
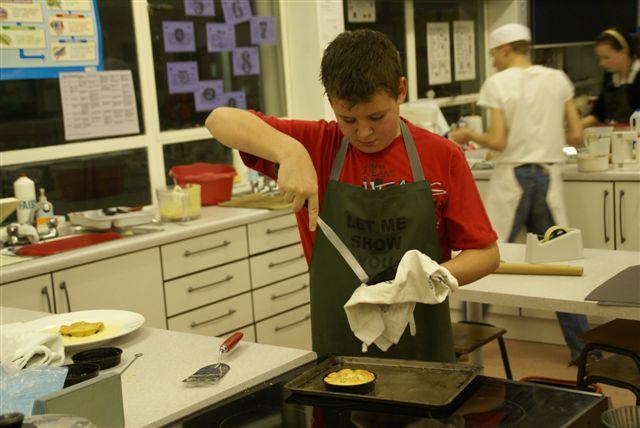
(622, 147)
(634, 121)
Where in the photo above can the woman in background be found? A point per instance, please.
(617, 53)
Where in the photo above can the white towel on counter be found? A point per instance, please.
(380, 313)
(25, 347)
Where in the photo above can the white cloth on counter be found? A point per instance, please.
(380, 313)
(25, 347)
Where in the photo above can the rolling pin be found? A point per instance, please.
(538, 269)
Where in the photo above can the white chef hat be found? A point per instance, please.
(509, 33)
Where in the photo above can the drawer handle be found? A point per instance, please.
(192, 289)
(306, 317)
(45, 291)
(622, 238)
(281, 229)
(278, 296)
(274, 264)
(63, 287)
(197, 324)
(188, 253)
(604, 214)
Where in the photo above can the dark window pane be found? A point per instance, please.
(87, 182)
(209, 151)
(31, 110)
(447, 11)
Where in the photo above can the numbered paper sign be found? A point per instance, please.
(182, 77)
(221, 37)
(209, 95)
(234, 99)
(263, 30)
(246, 61)
(236, 11)
(199, 8)
(178, 36)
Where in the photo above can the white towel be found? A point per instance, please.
(24, 347)
(380, 313)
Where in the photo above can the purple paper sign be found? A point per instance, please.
(263, 30)
(209, 95)
(246, 61)
(199, 8)
(182, 77)
(236, 11)
(221, 37)
(234, 99)
(178, 36)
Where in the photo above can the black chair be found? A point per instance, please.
(471, 335)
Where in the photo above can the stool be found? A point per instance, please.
(470, 335)
(622, 338)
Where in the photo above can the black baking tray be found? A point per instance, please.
(422, 384)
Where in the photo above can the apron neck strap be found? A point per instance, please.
(409, 145)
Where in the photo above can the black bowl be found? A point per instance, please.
(361, 388)
(104, 357)
(80, 372)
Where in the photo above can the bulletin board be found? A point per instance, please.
(42, 38)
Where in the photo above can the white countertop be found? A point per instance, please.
(212, 219)
(557, 293)
(152, 388)
(570, 173)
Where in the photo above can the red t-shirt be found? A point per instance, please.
(460, 216)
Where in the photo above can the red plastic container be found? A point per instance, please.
(215, 180)
(65, 244)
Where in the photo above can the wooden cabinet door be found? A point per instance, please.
(132, 282)
(34, 294)
(590, 209)
(627, 216)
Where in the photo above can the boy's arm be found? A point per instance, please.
(494, 139)
(242, 130)
(590, 120)
(471, 265)
(573, 133)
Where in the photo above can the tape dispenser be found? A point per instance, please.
(557, 244)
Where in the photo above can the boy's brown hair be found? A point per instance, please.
(358, 64)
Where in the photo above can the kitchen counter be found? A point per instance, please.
(570, 173)
(152, 388)
(212, 219)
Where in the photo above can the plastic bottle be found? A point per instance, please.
(634, 121)
(24, 191)
(45, 211)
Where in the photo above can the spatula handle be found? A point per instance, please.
(231, 342)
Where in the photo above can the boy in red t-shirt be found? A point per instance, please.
(384, 185)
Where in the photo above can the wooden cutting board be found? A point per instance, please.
(258, 200)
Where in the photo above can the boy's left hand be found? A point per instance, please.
(460, 136)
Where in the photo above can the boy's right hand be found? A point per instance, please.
(298, 181)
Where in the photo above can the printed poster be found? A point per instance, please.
(182, 77)
(220, 37)
(438, 53)
(236, 11)
(178, 36)
(234, 99)
(464, 50)
(98, 104)
(263, 30)
(209, 95)
(199, 8)
(361, 10)
(246, 61)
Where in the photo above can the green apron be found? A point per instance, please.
(378, 227)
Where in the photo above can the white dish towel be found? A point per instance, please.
(380, 313)
(24, 347)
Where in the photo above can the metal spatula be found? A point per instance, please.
(213, 372)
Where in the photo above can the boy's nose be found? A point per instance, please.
(364, 131)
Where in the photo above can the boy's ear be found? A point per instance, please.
(402, 90)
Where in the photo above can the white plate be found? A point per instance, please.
(116, 324)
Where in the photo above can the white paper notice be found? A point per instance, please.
(361, 10)
(464, 50)
(438, 53)
(330, 21)
(98, 104)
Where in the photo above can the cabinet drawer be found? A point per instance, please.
(281, 296)
(215, 319)
(202, 252)
(273, 233)
(292, 329)
(276, 265)
(210, 286)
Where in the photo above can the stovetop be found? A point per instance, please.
(491, 403)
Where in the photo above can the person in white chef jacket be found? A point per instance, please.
(528, 106)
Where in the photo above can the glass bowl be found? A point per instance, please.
(622, 417)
